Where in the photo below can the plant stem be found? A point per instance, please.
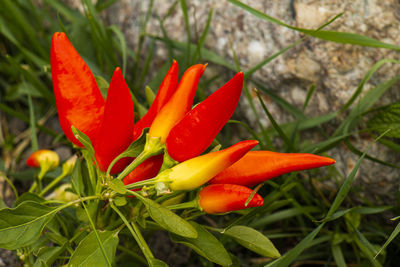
(152, 147)
(185, 205)
(141, 183)
(52, 184)
(136, 234)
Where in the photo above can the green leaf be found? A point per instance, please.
(120, 201)
(253, 240)
(169, 220)
(88, 252)
(117, 185)
(28, 197)
(77, 178)
(388, 118)
(22, 226)
(83, 138)
(205, 245)
(47, 255)
(157, 263)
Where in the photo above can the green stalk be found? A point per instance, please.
(185, 205)
(52, 184)
(136, 234)
(152, 147)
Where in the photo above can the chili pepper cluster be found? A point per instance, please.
(177, 138)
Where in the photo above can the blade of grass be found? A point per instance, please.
(249, 98)
(23, 117)
(269, 59)
(353, 149)
(280, 101)
(69, 14)
(206, 54)
(293, 254)
(32, 124)
(365, 79)
(142, 30)
(333, 36)
(345, 188)
(187, 26)
(203, 36)
(296, 128)
(392, 236)
(338, 256)
(273, 122)
(251, 131)
(364, 103)
(123, 46)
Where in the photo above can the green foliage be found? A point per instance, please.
(206, 245)
(387, 118)
(88, 252)
(23, 225)
(253, 240)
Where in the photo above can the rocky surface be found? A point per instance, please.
(335, 69)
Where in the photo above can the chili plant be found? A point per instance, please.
(127, 178)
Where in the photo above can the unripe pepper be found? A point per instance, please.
(198, 128)
(115, 134)
(178, 105)
(78, 98)
(197, 171)
(43, 158)
(258, 166)
(221, 198)
(165, 91)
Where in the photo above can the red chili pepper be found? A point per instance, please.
(221, 198)
(115, 133)
(197, 171)
(198, 128)
(78, 98)
(258, 166)
(165, 91)
(179, 103)
(109, 125)
(147, 169)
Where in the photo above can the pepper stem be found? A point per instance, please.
(168, 162)
(152, 147)
(52, 184)
(191, 204)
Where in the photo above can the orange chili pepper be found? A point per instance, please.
(179, 103)
(221, 198)
(258, 166)
(165, 91)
